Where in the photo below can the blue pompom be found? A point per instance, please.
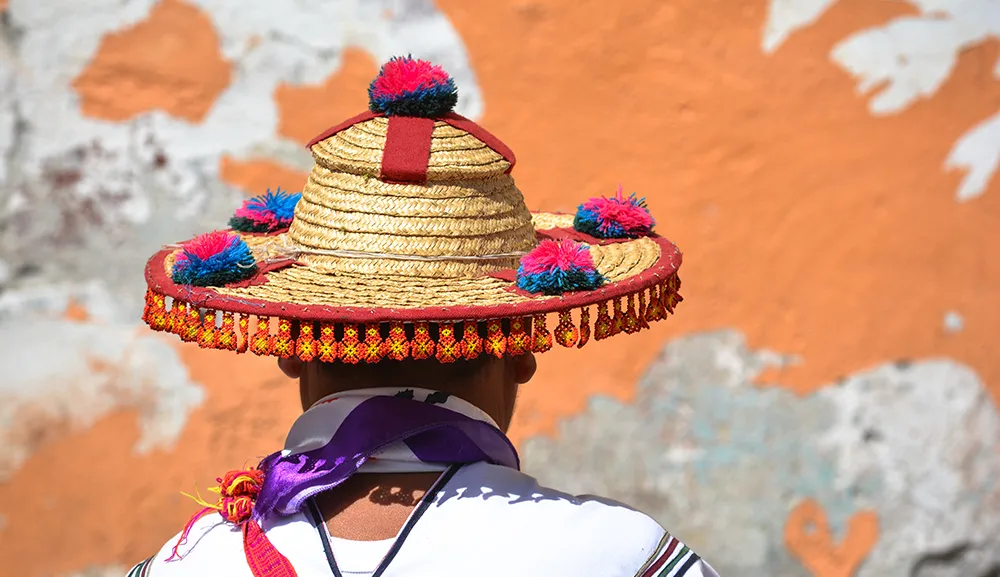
(216, 258)
(409, 87)
(266, 213)
(557, 267)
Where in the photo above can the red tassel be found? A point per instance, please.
(584, 327)
(618, 319)
(264, 560)
(372, 349)
(244, 334)
(496, 343)
(305, 345)
(192, 325)
(518, 342)
(281, 344)
(602, 327)
(157, 318)
(422, 347)
(472, 343)
(148, 303)
(448, 349)
(206, 334)
(349, 349)
(631, 319)
(262, 337)
(178, 312)
(227, 334)
(654, 312)
(642, 310)
(397, 348)
(327, 347)
(541, 340)
(567, 334)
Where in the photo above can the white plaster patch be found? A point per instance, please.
(787, 16)
(910, 58)
(977, 153)
(62, 376)
(953, 322)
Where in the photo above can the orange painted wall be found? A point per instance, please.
(807, 223)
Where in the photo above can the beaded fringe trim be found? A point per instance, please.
(364, 342)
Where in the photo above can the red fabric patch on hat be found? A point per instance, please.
(407, 149)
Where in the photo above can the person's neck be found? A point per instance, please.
(373, 506)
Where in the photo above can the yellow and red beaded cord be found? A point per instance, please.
(627, 314)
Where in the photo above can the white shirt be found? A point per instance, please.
(485, 521)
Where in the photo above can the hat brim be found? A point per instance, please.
(642, 286)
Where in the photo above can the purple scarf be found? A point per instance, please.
(376, 430)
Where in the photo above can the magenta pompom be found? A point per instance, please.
(555, 267)
(615, 217)
(406, 86)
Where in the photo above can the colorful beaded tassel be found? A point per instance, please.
(397, 347)
(448, 349)
(423, 347)
(541, 340)
(567, 334)
(306, 347)
(584, 327)
(496, 343)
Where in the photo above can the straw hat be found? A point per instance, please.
(411, 239)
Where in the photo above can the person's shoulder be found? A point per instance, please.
(209, 545)
(213, 547)
(589, 531)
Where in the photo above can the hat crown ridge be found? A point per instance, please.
(455, 154)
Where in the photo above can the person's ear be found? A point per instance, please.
(524, 367)
(292, 367)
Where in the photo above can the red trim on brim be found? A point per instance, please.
(158, 280)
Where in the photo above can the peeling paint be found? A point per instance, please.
(307, 110)
(722, 463)
(808, 537)
(84, 372)
(909, 59)
(255, 176)
(169, 61)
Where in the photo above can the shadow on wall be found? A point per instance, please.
(881, 472)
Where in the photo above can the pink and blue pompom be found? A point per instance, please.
(556, 267)
(408, 87)
(615, 217)
(268, 212)
(214, 259)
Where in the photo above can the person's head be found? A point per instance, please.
(486, 381)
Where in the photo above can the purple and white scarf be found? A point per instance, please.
(377, 430)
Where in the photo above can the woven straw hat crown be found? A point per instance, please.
(466, 218)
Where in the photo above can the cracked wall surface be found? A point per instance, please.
(912, 447)
(828, 168)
